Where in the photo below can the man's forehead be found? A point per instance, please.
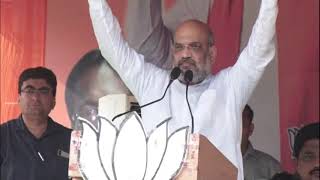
(190, 41)
(312, 144)
(35, 83)
(191, 24)
(192, 27)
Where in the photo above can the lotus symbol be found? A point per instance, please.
(126, 153)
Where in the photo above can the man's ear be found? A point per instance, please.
(295, 162)
(213, 53)
(172, 50)
(53, 103)
(251, 128)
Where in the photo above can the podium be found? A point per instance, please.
(202, 160)
(205, 162)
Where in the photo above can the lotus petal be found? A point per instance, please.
(174, 155)
(157, 144)
(130, 150)
(89, 160)
(107, 138)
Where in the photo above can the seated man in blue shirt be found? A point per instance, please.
(33, 146)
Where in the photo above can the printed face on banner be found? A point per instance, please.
(91, 79)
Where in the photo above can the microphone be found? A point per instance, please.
(175, 73)
(188, 76)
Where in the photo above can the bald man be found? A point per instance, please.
(156, 26)
(216, 101)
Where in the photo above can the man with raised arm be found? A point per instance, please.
(216, 100)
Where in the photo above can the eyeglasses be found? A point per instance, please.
(194, 46)
(33, 91)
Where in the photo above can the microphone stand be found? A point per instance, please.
(188, 78)
(175, 73)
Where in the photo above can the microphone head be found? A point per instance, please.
(188, 76)
(175, 73)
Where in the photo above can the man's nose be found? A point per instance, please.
(36, 95)
(186, 52)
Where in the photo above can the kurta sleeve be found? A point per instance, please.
(125, 60)
(260, 50)
(146, 32)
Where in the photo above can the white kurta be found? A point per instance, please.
(216, 103)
